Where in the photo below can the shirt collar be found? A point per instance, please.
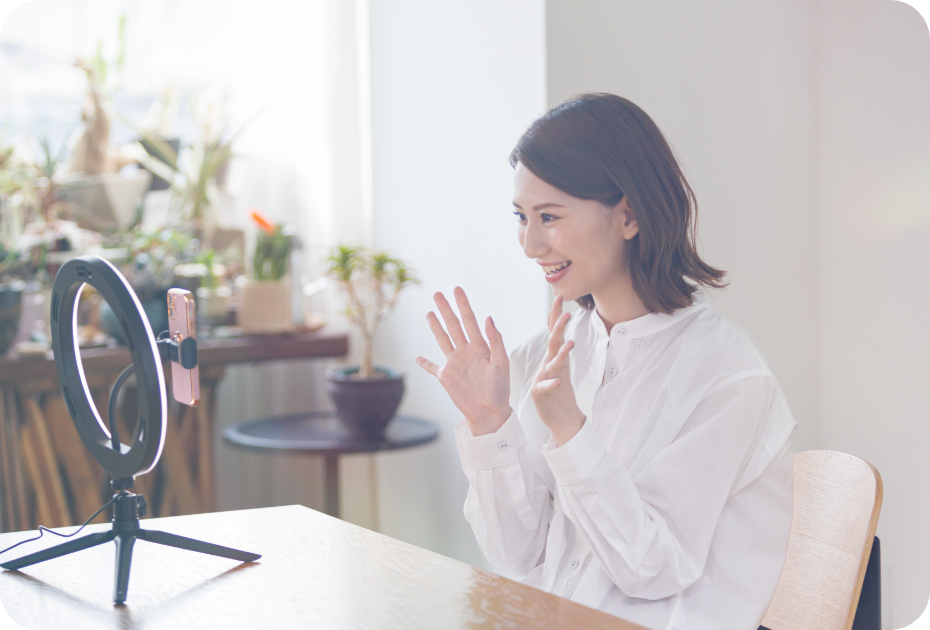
(650, 323)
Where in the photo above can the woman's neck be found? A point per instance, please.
(619, 303)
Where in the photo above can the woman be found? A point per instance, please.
(636, 455)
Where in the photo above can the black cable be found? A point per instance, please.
(43, 528)
(114, 393)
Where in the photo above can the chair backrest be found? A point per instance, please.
(837, 498)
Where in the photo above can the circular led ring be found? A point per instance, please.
(149, 438)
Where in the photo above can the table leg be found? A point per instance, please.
(331, 478)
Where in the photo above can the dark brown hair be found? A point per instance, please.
(603, 147)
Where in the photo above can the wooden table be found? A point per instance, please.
(323, 433)
(47, 477)
(315, 572)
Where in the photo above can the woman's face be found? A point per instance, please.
(578, 243)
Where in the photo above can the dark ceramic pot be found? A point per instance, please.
(11, 310)
(365, 406)
(156, 310)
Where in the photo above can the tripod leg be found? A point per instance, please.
(84, 542)
(173, 540)
(124, 545)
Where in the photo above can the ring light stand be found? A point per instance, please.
(121, 461)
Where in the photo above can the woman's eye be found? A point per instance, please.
(545, 218)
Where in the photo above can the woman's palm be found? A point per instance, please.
(477, 373)
(476, 385)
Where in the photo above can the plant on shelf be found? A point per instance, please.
(272, 249)
(366, 396)
(265, 296)
(212, 296)
(11, 296)
(194, 175)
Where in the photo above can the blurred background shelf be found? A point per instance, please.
(45, 475)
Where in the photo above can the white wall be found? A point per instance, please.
(730, 85)
(803, 126)
(454, 84)
(874, 157)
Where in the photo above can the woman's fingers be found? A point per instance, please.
(557, 336)
(496, 340)
(559, 361)
(555, 311)
(468, 316)
(448, 316)
(428, 365)
(555, 367)
(445, 344)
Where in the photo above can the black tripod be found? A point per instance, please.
(127, 508)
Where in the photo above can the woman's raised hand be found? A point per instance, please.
(476, 375)
(552, 390)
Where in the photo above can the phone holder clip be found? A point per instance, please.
(183, 352)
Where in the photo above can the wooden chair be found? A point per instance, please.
(837, 498)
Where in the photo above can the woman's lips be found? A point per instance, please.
(558, 275)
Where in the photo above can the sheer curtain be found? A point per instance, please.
(301, 159)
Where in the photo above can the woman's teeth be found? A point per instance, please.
(551, 269)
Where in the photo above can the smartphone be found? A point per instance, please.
(182, 323)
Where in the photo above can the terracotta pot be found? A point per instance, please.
(11, 310)
(264, 305)
(365, 406)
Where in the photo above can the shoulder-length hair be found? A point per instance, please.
(603, 147)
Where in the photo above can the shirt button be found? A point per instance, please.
(612, 370)
(503, 446)
(575, 564)
(621, 332)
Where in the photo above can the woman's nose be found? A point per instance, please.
(533, 241)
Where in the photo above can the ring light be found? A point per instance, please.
(143, 453)
(121, 461)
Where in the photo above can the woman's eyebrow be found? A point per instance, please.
(541, 206)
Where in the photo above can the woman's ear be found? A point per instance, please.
(630, 227)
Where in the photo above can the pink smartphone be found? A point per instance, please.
(182, 323)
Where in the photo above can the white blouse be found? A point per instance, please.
(671, 507)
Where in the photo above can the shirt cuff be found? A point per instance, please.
(491, 450)
(575, 459)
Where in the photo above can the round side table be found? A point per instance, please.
(322, 433)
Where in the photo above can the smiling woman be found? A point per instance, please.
(635, 456)
(602, 148)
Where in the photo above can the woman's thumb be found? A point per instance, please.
(495, 340)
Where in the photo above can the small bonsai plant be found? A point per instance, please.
(372, 282)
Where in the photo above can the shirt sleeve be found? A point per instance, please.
(652, 533)
(508, 505)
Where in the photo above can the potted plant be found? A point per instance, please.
(366, 397)
(265, 296)
(195, 176)
(212, 297)
(11, 291)
(11, 299)
(91, 181)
